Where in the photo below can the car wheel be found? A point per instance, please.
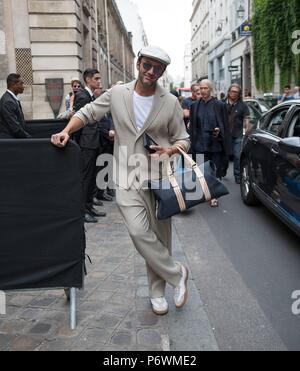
(247, 193)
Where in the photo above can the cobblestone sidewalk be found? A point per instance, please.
(113, 310)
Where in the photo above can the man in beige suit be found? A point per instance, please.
(138, 108)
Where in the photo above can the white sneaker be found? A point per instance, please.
(160, 306)
(181, 291)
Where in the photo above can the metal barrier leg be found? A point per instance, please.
(73, 323)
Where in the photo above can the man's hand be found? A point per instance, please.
(112, 135)
(161, 151)
(60, 140)
(186, 113)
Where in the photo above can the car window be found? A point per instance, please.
(254, 115)
(256, 105)
(262, 122)
(274, 125)
(294, 129)
(263, 105)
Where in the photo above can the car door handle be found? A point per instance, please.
(275, 152)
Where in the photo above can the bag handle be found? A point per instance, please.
(175, 186)
(197, 171)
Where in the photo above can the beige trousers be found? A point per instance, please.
(151, 238)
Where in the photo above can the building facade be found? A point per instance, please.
(200, 41)
(220, 50)
(116, 42)
(133, 23)
(187, 65)
(59, 40)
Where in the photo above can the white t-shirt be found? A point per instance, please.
(142, 109)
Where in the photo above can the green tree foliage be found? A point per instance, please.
(296, 21)
(274, 22)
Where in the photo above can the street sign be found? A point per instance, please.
(233, 68)
(246, 29)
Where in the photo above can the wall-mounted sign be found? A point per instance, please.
(55, 93)
(246, 29)
(233, 68)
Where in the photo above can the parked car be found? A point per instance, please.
(270, 164)
(270, 100)
(259, 104)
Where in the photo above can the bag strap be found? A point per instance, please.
(197, 171)
(176, 188)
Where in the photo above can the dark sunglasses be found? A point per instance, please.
(157, 70)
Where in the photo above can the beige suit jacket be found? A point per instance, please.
(164, 125)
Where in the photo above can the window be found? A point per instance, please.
(212, 71)
(254, 115)
(275, 124)
(222, 68)
(256, 106)
(294, 129)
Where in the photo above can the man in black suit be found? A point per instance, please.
(88, 140)
(12, 122)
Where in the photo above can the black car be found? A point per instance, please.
(270, 163)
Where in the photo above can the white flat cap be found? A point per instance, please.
(157, 53)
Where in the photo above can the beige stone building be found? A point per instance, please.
(47, 39)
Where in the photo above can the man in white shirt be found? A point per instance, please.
(138, 108)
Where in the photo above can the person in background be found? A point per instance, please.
(12, 121)
(69, 101)
(222, 96)
(88, 140)
(296, 92)
(286, 95)
(248, 94)
(106, 140)
(209, 130)
(195, 89)
(239, 118)
(198, 95)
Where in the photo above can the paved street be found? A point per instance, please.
(245, 266)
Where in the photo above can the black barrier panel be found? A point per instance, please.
(42, 240)
(45, 128)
